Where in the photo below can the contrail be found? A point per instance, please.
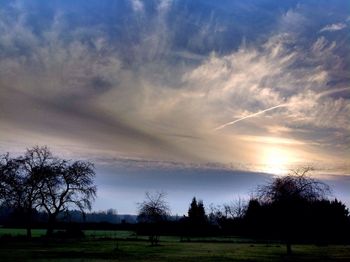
(322, 94)
(329, 92)
(249, 116)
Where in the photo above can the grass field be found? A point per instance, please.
(120, 234)
(88, 233)
(128, 247)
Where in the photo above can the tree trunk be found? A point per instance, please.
(29, 232)
(289, 247)
(51, 225)
(29, 224)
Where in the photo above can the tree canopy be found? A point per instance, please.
(40, 181)
(294, 207)
(196, 212)
(297, 186)
(154, 208)
(153, 211)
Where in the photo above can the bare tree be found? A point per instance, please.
(298, 185)
(70, 185)
(40, 180)
(288, 194)
(235, 209)
(8, 170)
(21, 180)
(153, 210)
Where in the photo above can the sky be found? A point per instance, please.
(192, 98)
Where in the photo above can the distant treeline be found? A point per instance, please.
(12, 218)
(38, 190)
(319, 221)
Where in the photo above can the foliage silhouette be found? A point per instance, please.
(152, 212)
(40, 181)
(295, 208)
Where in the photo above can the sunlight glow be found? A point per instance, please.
(276, 160)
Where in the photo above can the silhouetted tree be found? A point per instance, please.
(297, 186)
(22, 179)
(152, 211)
(235, 209)
(288, 198)
(229, 216)
(196, 212)
(197, 221)
(40, 180)
(71, 184)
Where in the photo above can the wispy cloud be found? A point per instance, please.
(137, 87)
(137, 5)
(153, 81)
(333, 27)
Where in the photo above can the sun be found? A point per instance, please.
(276, 160)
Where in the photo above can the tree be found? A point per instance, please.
(288, 198)
(21, 180)
(38, 180)
(152, 211)
(38, 164)
(297, 186)
(71, 184)
(229, 216)
(196, 212)
(197, 221)
(8, 170)
(235, 209)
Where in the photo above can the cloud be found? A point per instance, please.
(333, 27)
(155, 85)
(52, 85)
(137, 5)
(164, 5)
(137, 87)
(245, 83)
(180, 182)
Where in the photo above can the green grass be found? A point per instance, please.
(21, 232)
(88, 233)
(109, 234)
(111, 250)
(125, 246)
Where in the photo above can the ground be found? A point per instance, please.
(126, 246)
